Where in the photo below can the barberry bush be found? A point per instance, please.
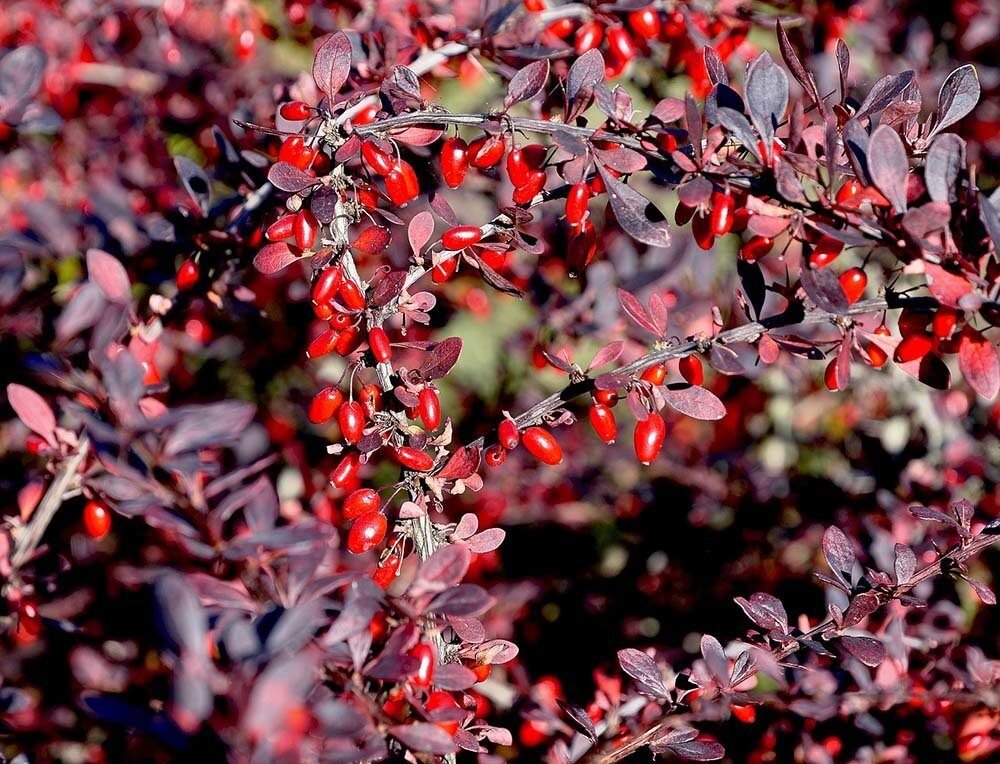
(563, 381)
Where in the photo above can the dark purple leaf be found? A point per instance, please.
(839, 552)
(109, 274)
(21, 73)
(441, 358)
(332, 64)
(644, 670)
(290, 178)
(586, 73)
(715, 660)
(580, 718)
(424, 737)
(637, 216)
(462, 600)
(983, 591)
(443, 569)
(945, 162)
(888, 165)
(883, 92)
(527, 83)
(210, 424)
(824, 289)
(695, 402)
(958, 96)
(860, 608)
(34, 411)
(869, 651)
(387, 288)
(905, 564)
(766, 95)
(181, 613)
(195, 182)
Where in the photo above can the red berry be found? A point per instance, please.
(402, 185)
(188, 275)
(326, 286)
(454, 161)
(367, 195)
(482, 672)
(346, 471)
(756, 247)
(323, 344)
(825, 252)
(853, 281)
(701, 228)
(576, 203)
(444, 270)
(532, 187)
(429, 407)
(426, 662)
(691, 369)
(306, 227)
(352, 296)
(28, 617)
(944, 322)
(649, 435)
(542, 445)
(606, 397)
(367, 532)
(588, 37)
(508, 434)
(325, 405)
(495, 455)
(440, 700)
(486, 151)
(96, 520)
(877, 355)
(654, 374)
(295, 111)
(387, 570)
(340, 320)
(582, 247)
(361, 502)
(745, 714)
(645, 23)
(848, 190)
(913, 347)
(414, 458)
(602, 419)
(378, 342)
(348, 340)
(561, 28)
(723, 207)
(370, 397)
(351, 418)
(292, 149)
(379, 161)
(620, 44)
(517, 168)
(282, 228)
(830, 377)
(460, 237)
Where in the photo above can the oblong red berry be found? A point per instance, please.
(414, 458)
(306, 227)
(324, 343)
(28, 617)
(429, 406)
(645, 22)
(913, 347)
(346, 471)
(460, 237)
(295, 111)
(188, 275)
(486, 151)
(531, 188)
(620, 44)
(387, 570)
(378, 342)
(691, 369)
(291, 150)
(825, 252)
(454, 161)
(602, 419)
(426, 662)
(723, 207)
(444, 270)
(654, 374)
(282, 228)
(379, 161)
(352, 296)
(508, 434)
(541, 444)
(351, 418)
(576, 203)
(348, 341)
(325, 405)
(853, 281)
(588, 37)
(701, 229)
(360, 502)
(648, 438)
(367, 532)
(401, 184)
(326, 286)
(756, 247)
(96, 519)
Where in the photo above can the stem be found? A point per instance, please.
(957, 554)
(29, 540)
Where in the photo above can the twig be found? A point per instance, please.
(957, 554)
(32, 535)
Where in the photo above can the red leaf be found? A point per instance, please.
(695, 402)
(420, 230)
(332, 63)
(980, 365)
(274, 257)
(34, 411)
(109, 274)
(527, 82)
(631, 305)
